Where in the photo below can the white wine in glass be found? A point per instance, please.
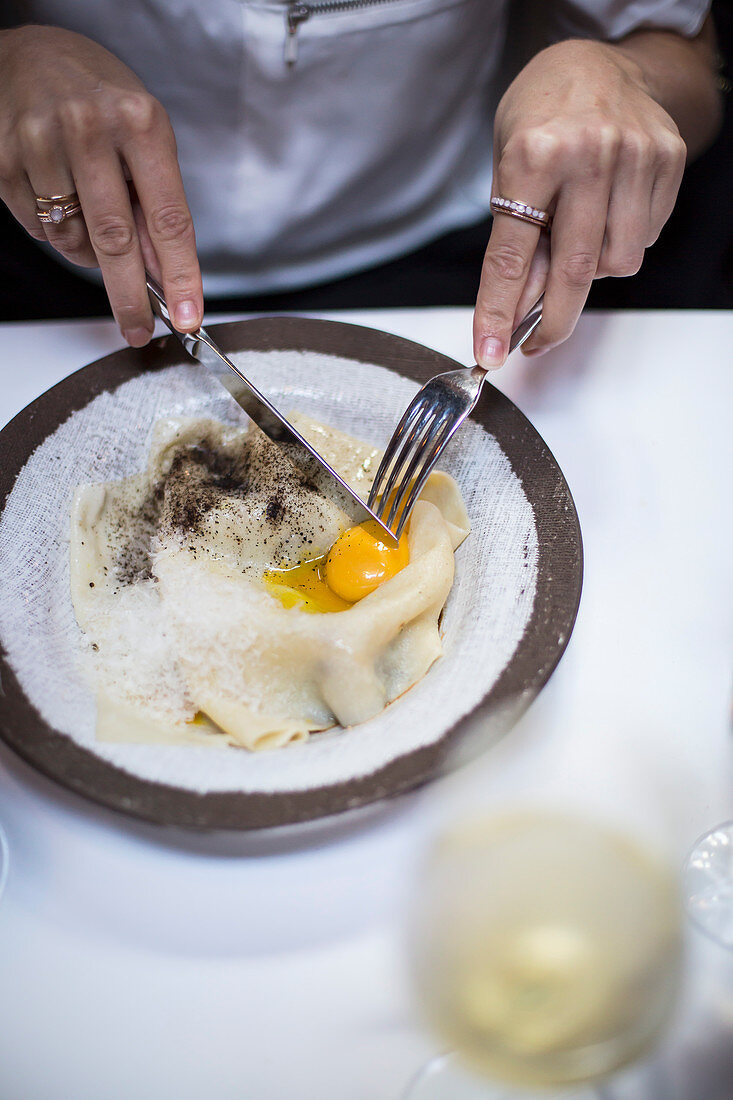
(545, 949)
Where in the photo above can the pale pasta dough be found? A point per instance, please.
(167, 584)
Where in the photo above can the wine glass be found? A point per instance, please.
(545, 949)
(707, 880)
(708, 884)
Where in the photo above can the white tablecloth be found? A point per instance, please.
(140, 963)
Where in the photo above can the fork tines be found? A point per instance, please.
(419, 438)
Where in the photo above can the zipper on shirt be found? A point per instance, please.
(297, 13)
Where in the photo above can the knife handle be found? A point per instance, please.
(201, 347)
(157, 301)
(160, 308)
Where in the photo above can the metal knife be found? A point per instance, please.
(200, 346)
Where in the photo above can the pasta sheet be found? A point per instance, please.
(167, 583)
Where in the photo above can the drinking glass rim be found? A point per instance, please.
(692, 915)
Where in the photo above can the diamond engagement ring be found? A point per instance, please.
(521, 210)
(55, 208)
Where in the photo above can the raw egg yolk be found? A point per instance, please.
(359, 561)
(304, 586)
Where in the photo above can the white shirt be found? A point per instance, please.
(374, 141)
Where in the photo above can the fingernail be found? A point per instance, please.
(137, 337)
(185, 314)
(491, 353)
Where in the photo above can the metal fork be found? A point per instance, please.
(427, 426)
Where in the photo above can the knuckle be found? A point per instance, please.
(534, 149)
(171, 223)
(672, 150)
(578, 269)
(34, 133)
(112, 237)
(506, 262)
(607, 140)
(79, 118)
(139, 112)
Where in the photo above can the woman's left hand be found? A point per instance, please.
(578, 135)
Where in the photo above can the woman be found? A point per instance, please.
(305, 143)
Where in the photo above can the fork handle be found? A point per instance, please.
(525, 328)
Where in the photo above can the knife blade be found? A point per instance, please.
(306, 458)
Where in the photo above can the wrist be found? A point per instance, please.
(679, 74)
(589, 52)
(633, 65)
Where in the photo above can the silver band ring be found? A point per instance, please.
(522, 210)
(56, 208)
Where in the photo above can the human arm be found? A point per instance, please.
(75, 118)
(597, 134)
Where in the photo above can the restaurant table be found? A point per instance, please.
(143, 962)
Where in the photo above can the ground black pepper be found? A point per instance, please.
(204, 486)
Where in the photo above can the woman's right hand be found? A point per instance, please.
(74, 118)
